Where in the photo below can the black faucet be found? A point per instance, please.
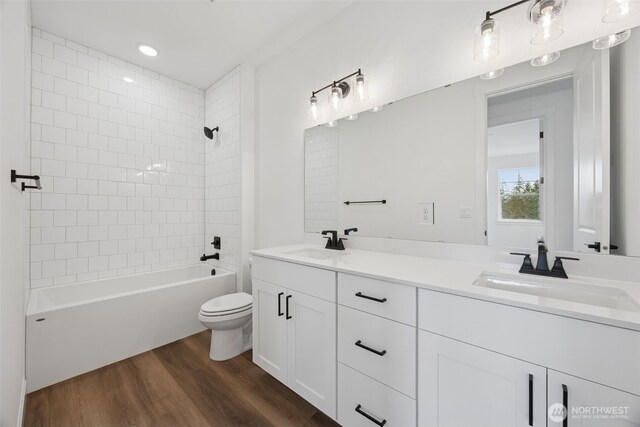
(333, 242)
(206, 257)
(349, 230)
(542, 266)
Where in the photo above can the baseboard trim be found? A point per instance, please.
(23, 402)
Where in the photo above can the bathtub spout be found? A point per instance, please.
(206, 257)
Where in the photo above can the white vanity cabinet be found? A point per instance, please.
(294, 328)
(376, 352)
(475, 359)
(463, 385)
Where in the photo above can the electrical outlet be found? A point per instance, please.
(465, 212)
(425, 213)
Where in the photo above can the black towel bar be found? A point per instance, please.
(383, 202)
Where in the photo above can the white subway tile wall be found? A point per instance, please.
(321, 179)
(222, 169)
(121, 164)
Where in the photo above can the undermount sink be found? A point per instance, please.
(316, 253)
(560, 289)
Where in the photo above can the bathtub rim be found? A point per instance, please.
(220, 272)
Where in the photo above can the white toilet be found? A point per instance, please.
(229, 318)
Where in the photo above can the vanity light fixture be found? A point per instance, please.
(314, 112)
(545, 59)
(545, 17)
(611, 40)
(339, 90)
(147, 50)
(492, 74)
(352, 117)
(546, 20)
(617, 10)
(331, 124)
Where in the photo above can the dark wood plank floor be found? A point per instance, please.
(174, 385)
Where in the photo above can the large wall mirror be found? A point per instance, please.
(547, 151)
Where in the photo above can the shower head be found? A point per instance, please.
(209, 132)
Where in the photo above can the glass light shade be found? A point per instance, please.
(546, 21)
(487, 40)
(617, 10)
(361, 88)
(611, 40)
(492, 74)
(314, 112)
(545, 59)
(335, 98)
(331, 123)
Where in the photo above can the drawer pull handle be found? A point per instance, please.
(565, 402)
(369, 417)
(286, 300)
(531, 400)
(379, 353)
(361, 295)
(280, 313)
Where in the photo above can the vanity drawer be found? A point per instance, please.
(356, 390)
(386, 299)
(600, 353)
(386, 350)
(307, 280)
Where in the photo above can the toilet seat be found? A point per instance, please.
(227, 305)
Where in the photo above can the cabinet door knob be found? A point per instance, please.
(361, 295)
(379, 353)
(369, 417)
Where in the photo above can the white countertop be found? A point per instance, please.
(457, 277)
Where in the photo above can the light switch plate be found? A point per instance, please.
(465, 212)
(425, 213)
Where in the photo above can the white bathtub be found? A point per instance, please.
(72, 329)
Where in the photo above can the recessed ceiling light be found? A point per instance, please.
(352, 116)
(331, 123)
(376, 109)
(128, 79)
(147, 50)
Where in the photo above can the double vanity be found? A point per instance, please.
(373, 338)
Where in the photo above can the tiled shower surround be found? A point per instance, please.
(122, 166)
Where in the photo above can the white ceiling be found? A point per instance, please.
(198, 40)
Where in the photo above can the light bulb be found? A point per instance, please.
(361, 88)
(617, 10)
(335, 98)
(611, 40)
(314, 113)
(546, 20)
(545, 59)
(487, 41)
(331, 124)
(492, 74)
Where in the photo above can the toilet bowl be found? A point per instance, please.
(229, 318)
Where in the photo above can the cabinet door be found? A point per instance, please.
(589, 404)
(270, 329)
(460, 385)
(311, 330)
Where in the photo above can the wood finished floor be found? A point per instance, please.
(174, 385)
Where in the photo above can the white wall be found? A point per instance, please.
(121, 166)
(404, 48)
(625, 146)
(15, 46)
(229, 170)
